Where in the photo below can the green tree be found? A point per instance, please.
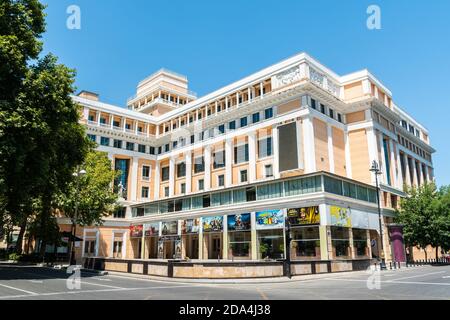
(94, 193)
(424, 217)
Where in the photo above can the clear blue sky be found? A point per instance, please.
(217, 42)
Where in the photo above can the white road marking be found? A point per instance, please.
(18, 289)
(445, 277)
(36, 281)
(428, 283)
(100, 285)
(417, 276)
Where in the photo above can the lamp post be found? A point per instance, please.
(376, 170)
(288, 248)
(73, 232)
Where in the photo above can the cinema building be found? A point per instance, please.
(209, 185)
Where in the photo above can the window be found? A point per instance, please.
(118, 144)
(141, 148)
(268, 113)
(241, 153)
(166, 147)
(130, 146)
(222, 128)
(268, 170)
(322, 108)
(360, 242)
(102, 120)
(250, 194)
(313, 103)
(255, 118)
(243, 176)
(306, 243)
(332, 185)
(265, 147)
(340, 241)
(174, 144)
(159, 150)
(151, 150)
(92, 137)
(339, 117)
(192, 139)
(232, 125)
(221, 180)
(183, 188)
(240, 244)
(104, 141)
(269, 191)
(165, 174)
(243, 122)
(181, 170)
(199, 165)
(91, 118)
(119, 213)
(219, 159)
(201, 184)
(145, 192)
(127, 126)
(116, 123)
(166, 191)
(117, 249)
(145, 172)
(221, 199)
(331, 113)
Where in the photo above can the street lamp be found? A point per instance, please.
(77, 176)
(288, 240)
(377, 171)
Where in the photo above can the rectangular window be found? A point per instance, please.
(199, 165)
(201, 184)
(102, 120)
(360, 242)
(159, 150)
(268, 170)
(221, 180)
(165, 174)
(141, 148)
(313, 103)
(130, 146)
(331, 113)
(192, 139)
(339, 117)
(92, 137)
(241, 153)
(181, 169)
(265, 147)
(268, 113)
(222, 129)
(145, 192)
(151, 150)
(340, 241)
(332, 185)
(104, 141)
(255, 118)
(269, 191)
(118, 144)
(91, 118)
(166, 191)
(243, 175)
(166, 147)
(120, 213)
(306, 243)
(243, 122)
(145, 172)
(219, 159)
(232, 125)
(183, 188)
(221, 199)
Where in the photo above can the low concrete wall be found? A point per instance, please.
(223, 269)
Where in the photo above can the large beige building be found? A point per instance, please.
(217, 177)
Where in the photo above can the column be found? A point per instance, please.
(420, 179)
(330, 147)
(300, 147)
(156, 180)
(276, 152)
(143, 254)
(407, 171)
(399, 170)
(98, 118)
(225, 239)
(384, 156)
(124, 124)
(394, 167)
(308, 142)
(171, 176)
(134, 178)
(207, 157)
(252, 156)
(414, 172)
(348, 159)
(428, 173)
(188, 161)
(261, 90)
(323, 242)
(228, 162)
(237, 99)
(157, 130)
(200, 241)
(373, 150)
(254, 242)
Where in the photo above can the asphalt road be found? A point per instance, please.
(427, 282)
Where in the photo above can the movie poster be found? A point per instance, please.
(177, 249)
(303, 216)
(270, 219)
(151, 229)
(169, 228)
(239, 222)
(136, 231)
(190, 226)
(213, 224)
(161, 248)
(340, 217)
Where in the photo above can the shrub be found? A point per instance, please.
(14, 257)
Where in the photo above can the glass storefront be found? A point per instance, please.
(305, 243)
(239, 237)
(190, 244)
(340, 242)
(213, 236)
(151, 233)
(270, 244)
(360, 243)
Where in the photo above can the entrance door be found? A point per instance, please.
(215, 247)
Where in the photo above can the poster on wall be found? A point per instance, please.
(161, 248)
(151, 229)
(340, 217)
(177, 249)
(190, 226)
(136, 231)
(213, 224)
(303, 216)
(359, 219)
(169, 228)
(239, 222)
(269, 219)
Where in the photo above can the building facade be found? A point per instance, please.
(218, 177)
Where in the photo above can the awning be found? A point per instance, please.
(69, 235)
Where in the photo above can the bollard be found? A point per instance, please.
(399, 266)
(390, 265)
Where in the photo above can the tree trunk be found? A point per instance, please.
(23, 226)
